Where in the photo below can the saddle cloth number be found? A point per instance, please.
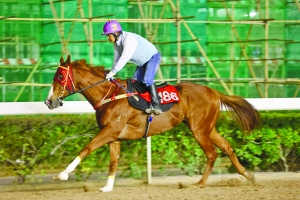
(168, 94)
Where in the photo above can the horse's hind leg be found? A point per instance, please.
(207, 146)
(114, 149)
(221, 143)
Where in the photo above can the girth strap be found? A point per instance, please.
(149, 120)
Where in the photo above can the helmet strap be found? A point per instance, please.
(117, 35)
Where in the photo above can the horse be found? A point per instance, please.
(198, 108)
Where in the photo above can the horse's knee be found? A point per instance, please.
(228, 151)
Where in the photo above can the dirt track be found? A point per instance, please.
(271, 186)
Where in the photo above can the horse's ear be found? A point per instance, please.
(61, 61)
(68, 60)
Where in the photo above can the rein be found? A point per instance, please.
(68, 80)
(83, 89)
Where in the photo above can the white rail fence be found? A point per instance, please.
(83, 107)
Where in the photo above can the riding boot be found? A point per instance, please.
(155, 104)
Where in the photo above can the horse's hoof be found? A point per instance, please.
(63, 176)
(199, 185)
(106, 189)
(250, 176)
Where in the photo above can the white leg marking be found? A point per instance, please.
(64, 175)
(109, 184)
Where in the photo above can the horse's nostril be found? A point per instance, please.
(48, 102)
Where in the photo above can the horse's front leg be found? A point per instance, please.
(104, 136)
(114, 149)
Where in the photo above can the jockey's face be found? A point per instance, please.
(111, 38)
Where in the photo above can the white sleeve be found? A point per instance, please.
(129, 46)
(116, 58)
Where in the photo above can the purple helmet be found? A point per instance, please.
(111, 27)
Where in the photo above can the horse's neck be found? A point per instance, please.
(97, 93)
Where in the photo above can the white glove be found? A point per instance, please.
(110, 75)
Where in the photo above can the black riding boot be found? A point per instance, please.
(155, 105)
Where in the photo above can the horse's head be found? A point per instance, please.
(62, 86)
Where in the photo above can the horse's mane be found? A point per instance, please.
(83, 64)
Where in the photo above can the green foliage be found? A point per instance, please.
(34, 144)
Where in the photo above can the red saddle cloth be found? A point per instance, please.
(168, 94)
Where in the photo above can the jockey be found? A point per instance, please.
(134, 48)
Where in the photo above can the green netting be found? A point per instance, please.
(35, 39)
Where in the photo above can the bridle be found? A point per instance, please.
(64, 77)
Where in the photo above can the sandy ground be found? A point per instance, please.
(271, 186)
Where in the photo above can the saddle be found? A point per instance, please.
(143, 99)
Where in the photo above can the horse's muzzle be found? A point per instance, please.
(48, 103)
(53, 104)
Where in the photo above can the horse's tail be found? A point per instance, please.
(242, 111)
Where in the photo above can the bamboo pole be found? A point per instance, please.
(56, 19)
(24, 84)
(175, 42)
(297, 4)
(85, 28)
(73, 41)
(91, 38)
(60, 33)
(178, 43)
(257, 59)
(244, 46)
(232, 71)
(257, 40)
(143, 17)
(266, 66)
(157, 24)
(71, 28)
(28, 79)
(297, 91)
(97, 20)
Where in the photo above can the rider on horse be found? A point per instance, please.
(134, 48)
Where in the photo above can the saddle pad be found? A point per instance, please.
(168, 96)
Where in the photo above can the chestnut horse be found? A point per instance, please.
(199, 108)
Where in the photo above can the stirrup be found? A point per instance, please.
(156, 111)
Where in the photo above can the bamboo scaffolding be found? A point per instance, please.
(59, 29)
(243, 50)
(57, 1)
(256, 40)
(85, 28)
(178, 20)
(73, 41)
(24, 84)
(28, 79)
(143, 17)
(175, 42)
(202, 51)
(157, 24)
(255, 59)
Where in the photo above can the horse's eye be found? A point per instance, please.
(60, 77)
